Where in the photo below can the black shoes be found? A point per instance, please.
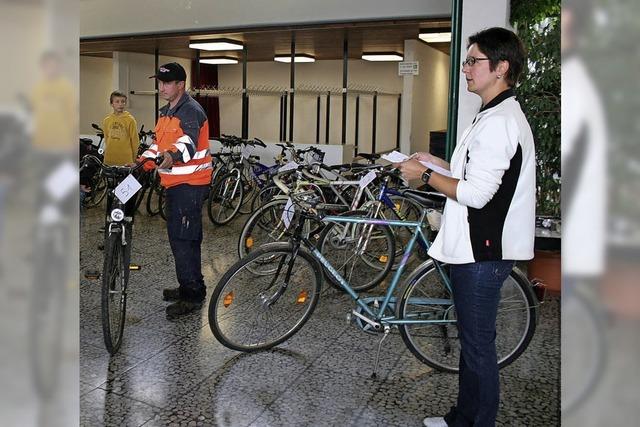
(171, 294)
(182, 307)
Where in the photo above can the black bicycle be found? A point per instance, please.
(117, 249)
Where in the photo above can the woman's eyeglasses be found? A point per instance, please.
(471, 61)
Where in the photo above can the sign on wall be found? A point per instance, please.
(408, 68)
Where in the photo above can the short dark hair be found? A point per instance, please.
(500, 44)
(116, 94)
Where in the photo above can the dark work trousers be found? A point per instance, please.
(476, 294)
(184, 227)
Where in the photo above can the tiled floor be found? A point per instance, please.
(176, 373)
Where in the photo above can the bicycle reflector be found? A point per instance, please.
(249, 242)
(228, 299)
(383, 258)
(117, 215)
(302, 297)
(134, 267)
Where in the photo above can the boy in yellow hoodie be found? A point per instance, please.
(120, 133)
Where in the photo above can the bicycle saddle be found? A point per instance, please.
(427, 199)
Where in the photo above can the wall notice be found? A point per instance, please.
(409, 68)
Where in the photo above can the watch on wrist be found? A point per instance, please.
(426, 175)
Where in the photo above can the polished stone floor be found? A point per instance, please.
(176, 373)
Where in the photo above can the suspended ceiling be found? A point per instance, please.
(323, 42)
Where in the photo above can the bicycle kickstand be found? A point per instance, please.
(374, 375)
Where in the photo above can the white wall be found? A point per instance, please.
(430, 95)
(113, 17)
(425, 97)
(264, 111)
(95, 86)
(125, 72)
(476, 16)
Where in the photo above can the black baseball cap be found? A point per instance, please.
(170, 72)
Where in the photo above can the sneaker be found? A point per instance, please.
(171, 294)
(182, 307)
(434, 422)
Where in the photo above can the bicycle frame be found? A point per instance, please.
(418, 236)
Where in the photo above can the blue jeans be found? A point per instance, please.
(476, 294)
(184, 227)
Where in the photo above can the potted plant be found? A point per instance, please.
(538, 25)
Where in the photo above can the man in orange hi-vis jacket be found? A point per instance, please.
(182, 139)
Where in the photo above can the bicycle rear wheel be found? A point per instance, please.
(425, 297)
(115, 277)
(225, 199)
(250, 312)
(362, 253)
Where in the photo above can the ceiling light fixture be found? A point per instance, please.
(216, 44)
(435, 37)
(300, 57)
(382, 56)
(216, 60)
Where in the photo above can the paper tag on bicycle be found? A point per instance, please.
(246, 151)
(287, 213)
(395, 157)
(127, 188)
(366, 180)
(289, 166)
(61, 181)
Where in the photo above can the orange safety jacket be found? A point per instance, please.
(184, 132)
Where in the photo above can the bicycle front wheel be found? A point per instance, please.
(437, 344)
(250, 312)
(115, 276)
(225, 199)
(98, 192)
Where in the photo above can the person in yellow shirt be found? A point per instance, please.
(120, 133)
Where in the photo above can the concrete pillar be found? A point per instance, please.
(476, 16)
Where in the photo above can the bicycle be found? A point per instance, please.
(98, 183)
(228, 192)
(117, 251)
(266, 297)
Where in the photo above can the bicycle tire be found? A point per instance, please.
(334, 245)
(98, 192)
(302, 290)
(162, 203)
(585, 345)
(219, 196)
(250, 191)
(115, 277)
(409, 211)
(438, 346)
(264, 225)
(266, 194)
(140, 197)
(152, 206)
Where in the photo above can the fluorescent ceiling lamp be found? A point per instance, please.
(217, 44)
(302, 57)
(219, 60)
(435, 37)
(382, 56)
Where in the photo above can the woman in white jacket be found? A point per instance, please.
(489, 217)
